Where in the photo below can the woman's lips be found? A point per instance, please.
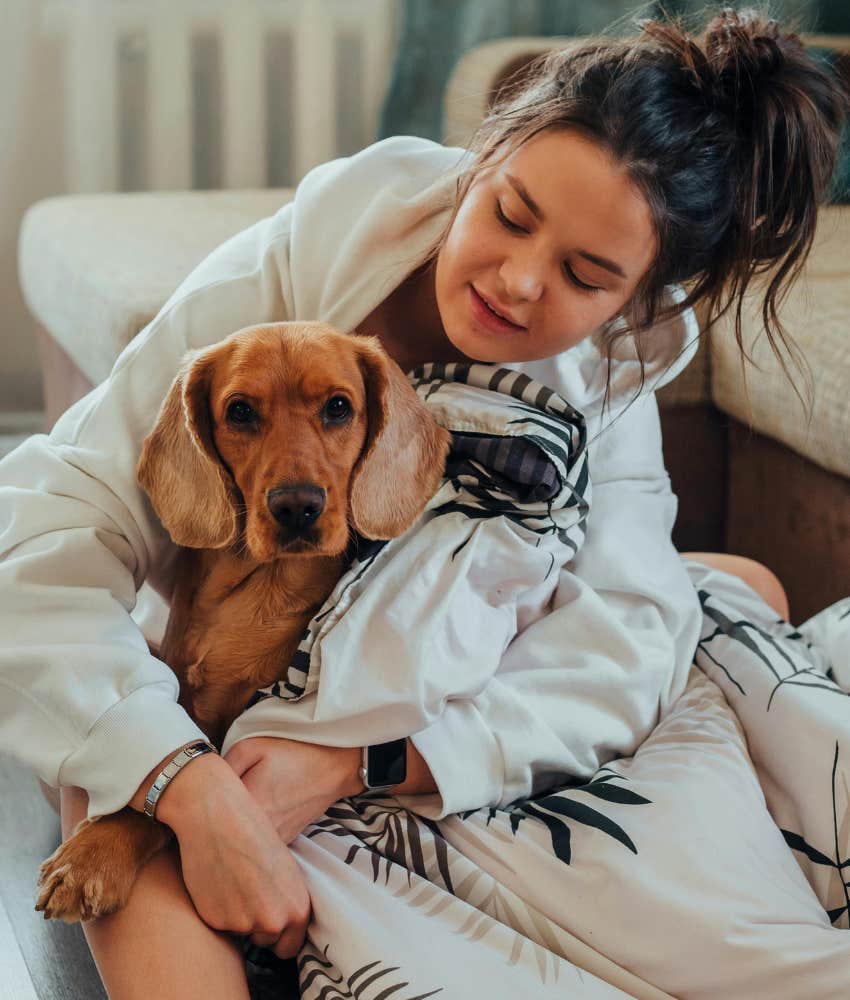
(487, 317)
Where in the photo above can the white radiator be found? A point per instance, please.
(177, 94)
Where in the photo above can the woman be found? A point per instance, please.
(625, 168)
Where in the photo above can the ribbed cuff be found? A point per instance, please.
(465, 761)
(125, 744)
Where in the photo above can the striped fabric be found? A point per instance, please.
(518, 452)
(532, 465)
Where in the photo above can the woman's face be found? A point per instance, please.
(555, 239)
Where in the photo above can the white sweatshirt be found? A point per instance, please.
(84, 703)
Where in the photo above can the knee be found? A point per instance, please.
(755, 574)
(767, 585)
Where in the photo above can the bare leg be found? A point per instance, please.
(763, 581)
(158, 946)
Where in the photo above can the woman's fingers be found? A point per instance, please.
(288, 943)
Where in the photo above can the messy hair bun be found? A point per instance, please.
(732, 137)
(773, 117)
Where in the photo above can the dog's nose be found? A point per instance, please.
(296, 507)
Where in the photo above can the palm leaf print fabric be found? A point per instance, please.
(711, 863)
(797, 720)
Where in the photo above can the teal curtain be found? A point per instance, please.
(434, 34)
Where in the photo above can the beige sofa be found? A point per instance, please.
(761, 482)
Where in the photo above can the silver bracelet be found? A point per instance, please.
(171, 768)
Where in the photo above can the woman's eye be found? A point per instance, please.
(240, 413)
(337, 409)
(579, 283)
(506, 222)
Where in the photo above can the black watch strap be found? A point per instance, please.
(384, 765)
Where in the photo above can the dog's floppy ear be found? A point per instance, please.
(404, 455)
(179, 467)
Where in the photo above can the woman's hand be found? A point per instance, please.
(295, 783)
(241, 877)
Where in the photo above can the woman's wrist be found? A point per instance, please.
(351, 783)
(137, 802)
(189, 784)
(419, 780)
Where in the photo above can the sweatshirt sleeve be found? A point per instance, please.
(82, 700)
(584, 683)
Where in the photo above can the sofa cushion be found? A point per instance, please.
(816, 314)
(95, 269)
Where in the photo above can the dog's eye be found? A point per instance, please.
(240, 413)
(337, 409)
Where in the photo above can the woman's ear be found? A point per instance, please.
(402, 462)
(179, 467)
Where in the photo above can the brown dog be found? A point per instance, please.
(269, 448)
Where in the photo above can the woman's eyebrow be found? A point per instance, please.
(519, 187)
(534, 208)
(609, 265)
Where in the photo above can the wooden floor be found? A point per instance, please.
(15, 980)
(39, 959)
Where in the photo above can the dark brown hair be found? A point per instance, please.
(731, 136)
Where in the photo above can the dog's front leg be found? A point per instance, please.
(93, 871)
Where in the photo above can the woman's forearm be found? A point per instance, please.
(197, 775)
(293, 782)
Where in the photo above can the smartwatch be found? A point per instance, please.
(384, 765)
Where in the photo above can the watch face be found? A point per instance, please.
(387, 763)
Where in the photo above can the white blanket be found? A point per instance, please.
(703, 866)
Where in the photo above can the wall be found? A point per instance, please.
(30, 168)
(245, 93)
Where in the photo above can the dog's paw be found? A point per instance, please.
(74, 884)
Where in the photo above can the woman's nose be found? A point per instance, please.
(522, 278)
